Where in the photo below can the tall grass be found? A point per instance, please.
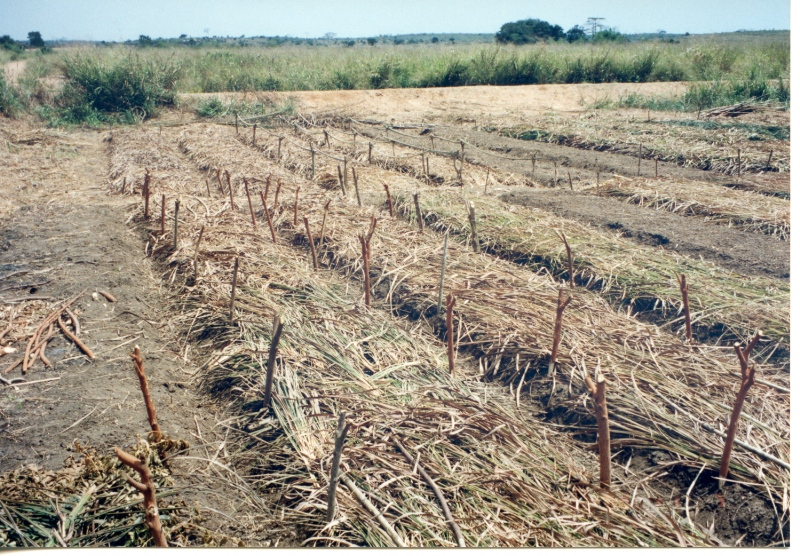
(116, 88)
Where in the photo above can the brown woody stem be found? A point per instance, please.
(451, 302)
(138, 363)
(277, 329)
(311, 241)
(603, 432)
(148, 490)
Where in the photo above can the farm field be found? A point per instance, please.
(329, 223)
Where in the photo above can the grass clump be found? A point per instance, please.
(701, 96)
(11, 99)
(125, 89)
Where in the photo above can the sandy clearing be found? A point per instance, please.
(463, 102)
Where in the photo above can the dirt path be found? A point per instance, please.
(68, 234)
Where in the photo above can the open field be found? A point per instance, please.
(272, 207)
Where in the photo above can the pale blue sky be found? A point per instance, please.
(117, 20)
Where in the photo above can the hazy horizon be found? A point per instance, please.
(115, 20)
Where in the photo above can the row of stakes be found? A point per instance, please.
(596, 389)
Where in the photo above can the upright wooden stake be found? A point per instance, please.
(324, 220)
(598, 183)
(355, 184)
(341, 180)
(312, 161)
(341, 434)
(656, 166)
(444, 266)
(148, 490)
(254, 135)
(197, 250)
(533, 166)
(561, 304)
(233, 287)
(603, 431)
(311, 241)
(687, 317)
(748, 379)
(739, 161)
(555, 173)
(419, 213)
(473, 224)
(639, 167)
(230, 190)
(768, 161)
(451, 302)
(569, 257)
(219, 181)
(280, 140)
(250, 204)
(146, 193)
(296, 200)
(266, 187)
(236, 120)
(344, 181)
(138, 363)
(389, 199)
(208, 189)
(175, 234)
(277, 192)
(163, 212)
(269, 218)
(570, 182)
(125, 180)
(277, 329)
(369, 156)
(327, 142)
(366, 254)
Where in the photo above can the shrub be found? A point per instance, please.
(527, 31)
(10, 98)
(126, 89)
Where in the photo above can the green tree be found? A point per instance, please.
(371, 41)
(145, 40)
(35, 39)
(576, 34)
(528, 31)
(610, 35)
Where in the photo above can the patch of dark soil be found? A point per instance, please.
(740, 515)
(742, 252)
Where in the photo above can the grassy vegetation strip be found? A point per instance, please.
(505, 313)
(507, 480)
(743, 210)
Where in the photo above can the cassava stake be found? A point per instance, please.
(148, 490)
(569, 258)
(311, 241)
(233, 288)
(686, 313)
(603, 432)
(451, 302)
(138, 363)
(389, 199)
(748, 379)
(561, 304)
(249, 202)
(341, 434)
(269, 218)
(277, 330)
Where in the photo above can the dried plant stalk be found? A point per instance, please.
(419, 213)
(148, 490)
(249, 202)
(561, 304)
(138, 363)
(451, 302)
(269, 218)
(277, 330)
(569, 258)
(230, 189)
(233, 288)
(748, 379)
(686, 312)
(389, 199)
(341, 434)
(311, 242)
(603, 431)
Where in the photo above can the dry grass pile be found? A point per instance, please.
(661, 390)
(704, 144)
(743, 210)
(726, 307)
(508, 481)
(89, 503)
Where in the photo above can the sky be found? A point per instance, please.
(116, 20)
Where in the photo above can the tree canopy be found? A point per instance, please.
(528, 31)
(35, 39)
